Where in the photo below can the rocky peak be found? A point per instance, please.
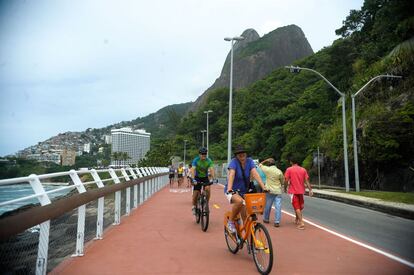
(255, 57)
(249, 35)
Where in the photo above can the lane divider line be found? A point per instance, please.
(379, 251)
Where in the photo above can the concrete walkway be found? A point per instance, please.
(161, 237)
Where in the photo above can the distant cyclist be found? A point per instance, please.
(180, 172)
(202, 171)
(239, 171)
(171, 173)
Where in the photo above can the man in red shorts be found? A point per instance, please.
(295, 177)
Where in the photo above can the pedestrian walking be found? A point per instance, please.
(274, 183)
(296, 177)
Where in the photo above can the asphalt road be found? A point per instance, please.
(388, 233)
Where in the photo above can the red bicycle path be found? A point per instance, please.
(161, 237)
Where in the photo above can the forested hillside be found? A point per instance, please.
(287, 113)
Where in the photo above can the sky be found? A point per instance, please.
(78, 64)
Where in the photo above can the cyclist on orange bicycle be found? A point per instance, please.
(239, 171)
(201, 171)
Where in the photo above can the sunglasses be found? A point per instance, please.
(204, 154)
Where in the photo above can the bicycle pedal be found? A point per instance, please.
(249, 251)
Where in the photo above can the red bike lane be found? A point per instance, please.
(161, 237)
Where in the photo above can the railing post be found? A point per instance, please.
(157, 179)
(149, 193)
(131, 171)
(80, 237)
(128, 193)
(116, 180)
(151, 189)
(101, 203)
(43, 248)
(140, 187)
(149, 182)
(145, 185)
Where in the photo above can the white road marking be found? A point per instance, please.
(379, 251)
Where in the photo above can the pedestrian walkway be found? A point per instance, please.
(161, 237)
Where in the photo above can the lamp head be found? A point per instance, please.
(293, 69)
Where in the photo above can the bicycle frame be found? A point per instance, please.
(248, 227)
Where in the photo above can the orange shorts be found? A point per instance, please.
(297, 201)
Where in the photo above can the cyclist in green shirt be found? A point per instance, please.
(202, 171)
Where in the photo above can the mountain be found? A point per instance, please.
(255, 57)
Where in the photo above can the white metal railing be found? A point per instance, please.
(142, 191)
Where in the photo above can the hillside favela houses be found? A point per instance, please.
(129, 146)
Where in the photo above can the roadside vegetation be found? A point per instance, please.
(287, 113)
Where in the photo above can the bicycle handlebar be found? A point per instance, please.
(237, 191)
(205, 183)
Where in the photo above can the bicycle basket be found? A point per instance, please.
(255, 203)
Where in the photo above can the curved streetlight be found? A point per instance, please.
(354, 125)
(297, 70)
(207, 112)
(231, 39)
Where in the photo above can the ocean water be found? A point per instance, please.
(10, 192)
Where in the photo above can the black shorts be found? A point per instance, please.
(171, 176)
(198, 186)
(180, 175)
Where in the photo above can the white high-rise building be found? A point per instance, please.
(136, 143)
(87, 148)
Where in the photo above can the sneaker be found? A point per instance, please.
(231, 227)
(276, 224)
(193, 210)
(265, 221)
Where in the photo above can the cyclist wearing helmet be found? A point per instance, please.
(202, 171)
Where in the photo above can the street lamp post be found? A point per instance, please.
(297, 70)
(202, 133)
(231, 39)
(354, 125)
(207, 112)
(185, 143)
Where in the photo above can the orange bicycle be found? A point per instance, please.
(252, 233)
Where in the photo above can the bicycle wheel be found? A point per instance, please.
(262, 249)
(204, 214)
(231, 241)
(198, 211)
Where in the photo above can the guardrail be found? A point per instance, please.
(145, 181)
